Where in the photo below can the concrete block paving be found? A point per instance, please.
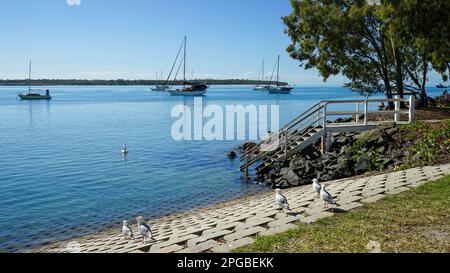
(222, 228)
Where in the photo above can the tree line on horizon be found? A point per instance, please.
(388, 48)
(46, 82)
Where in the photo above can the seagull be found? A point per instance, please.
(317, 187)
(127, 231)
(327, 197)
(125, 149)
(281, 200)
(145, 229)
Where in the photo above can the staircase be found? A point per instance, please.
(311, 126)
(298, 134)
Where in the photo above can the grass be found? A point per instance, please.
(416, 221)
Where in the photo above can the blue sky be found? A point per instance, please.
(134, 39)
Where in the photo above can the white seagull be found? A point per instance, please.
(281, 200)
(326, 197)
(145, 229)
(124, 149)
(317, 187)
(127, 231)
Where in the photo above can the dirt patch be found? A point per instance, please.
(421, 114)
(432, 114)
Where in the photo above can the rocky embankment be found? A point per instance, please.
(351, 154)
(386, 147)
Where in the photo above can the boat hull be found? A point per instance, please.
(26, 97)
(260, 88)
(160, 89)
(186, 93)
(281, 90)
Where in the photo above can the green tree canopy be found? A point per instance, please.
(378, 48)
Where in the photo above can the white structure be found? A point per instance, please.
(313, 125)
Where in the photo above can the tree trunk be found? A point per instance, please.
(423, 91)
(387, 83)
(399, 73)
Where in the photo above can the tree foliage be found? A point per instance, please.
(378, 48)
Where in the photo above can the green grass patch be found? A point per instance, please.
(412, 222)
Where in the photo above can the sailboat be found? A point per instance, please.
(279, 89)
(160, 87)
(33, 96)
(261, 86)
(189, 88)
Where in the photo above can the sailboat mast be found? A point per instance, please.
(263, 75)
(29, 79)
(278, 71)
(184, 72)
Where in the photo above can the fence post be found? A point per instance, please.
(318, 114)
(357, 112)
(247, 166)
(366, 112)
(397, 108)
(328, 142)
(323, 143)
(412, 108)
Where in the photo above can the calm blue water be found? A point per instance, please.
(62, 173)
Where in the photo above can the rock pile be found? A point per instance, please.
(351, 154)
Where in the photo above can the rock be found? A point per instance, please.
(372, 138)
(332, 167)
(329, 159)
(298, 164)
(344, 168)
(362, 165)
(385, 161)
(397, 155)
(277, 167)
(342, 120)
(308, 167)
(231, 155)
(392, 131)
(344, 149)
(381, 149)
(249, 145)
(282, 183)
(290, 176)
(387, 126)
(343, 140)
(346, 153)
(324, 178)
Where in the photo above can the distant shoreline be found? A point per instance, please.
(119, 82)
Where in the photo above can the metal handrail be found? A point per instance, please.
(316, 108)
(297, 138)
(301, 115)
(319, 110)
(311, 114)
(283, 141)
(254, 149)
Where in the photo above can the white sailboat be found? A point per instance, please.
(33, 96)
(261, 86)
(160, 88)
